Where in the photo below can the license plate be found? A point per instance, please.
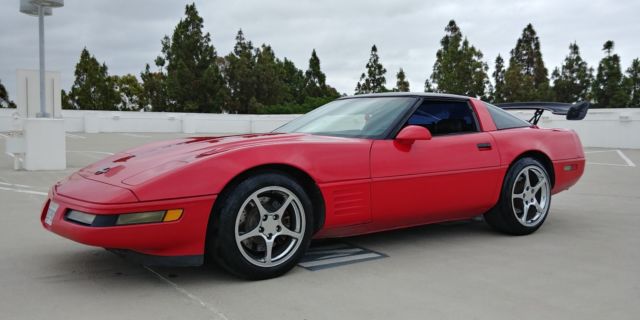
(51, 212)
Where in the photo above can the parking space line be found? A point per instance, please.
(4, 136)
(24, 191)
(75, 136)
(90, 151)
(625, 158)
(218, 314)
(135, 135)
(14, 185)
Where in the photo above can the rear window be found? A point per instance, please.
(505, 120)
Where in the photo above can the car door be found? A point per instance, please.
(452, 176)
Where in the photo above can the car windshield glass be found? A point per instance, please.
(354, 117)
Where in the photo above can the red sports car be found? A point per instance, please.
(357, 165)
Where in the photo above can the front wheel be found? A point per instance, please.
(265, 226)
(525, 199)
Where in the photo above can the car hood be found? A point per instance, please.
(135, 166)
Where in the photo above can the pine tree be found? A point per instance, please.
(373, 81)
(459, 67)
(270, 88)
(5, 102)
(573, 81)
(608, 86)
(194, 82)
(633, 83)
(154, 90)
(402, 84)
(240, 76)
(497, 95)
(294, 80)
(93, 88)
(315, 79)
(526, 78)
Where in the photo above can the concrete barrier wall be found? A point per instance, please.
(612, 128)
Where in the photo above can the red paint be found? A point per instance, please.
(367, 185)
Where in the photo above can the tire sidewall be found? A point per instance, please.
(227, 252)
(506, 211)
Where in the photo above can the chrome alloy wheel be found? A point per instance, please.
(270, 226)
(530, 196)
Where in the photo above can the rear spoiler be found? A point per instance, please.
(575, 111)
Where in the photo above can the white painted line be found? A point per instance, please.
(316, 263)
(218, 314)
(609, 164)
(10, 154)
(626, 159)
(89, 151)
(14, 185)
(135, 135)
(75, 136)
(4, 136)
(24, 191)
(599, 151)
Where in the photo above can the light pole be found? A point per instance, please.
(40, 8)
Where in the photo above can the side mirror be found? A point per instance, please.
(409, 134)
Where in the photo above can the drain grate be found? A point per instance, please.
(333, 255)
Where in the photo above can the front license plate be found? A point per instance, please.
(51, 212)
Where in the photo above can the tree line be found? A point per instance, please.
(460, 69)
(190, 76)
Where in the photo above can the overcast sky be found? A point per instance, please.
(126, 33)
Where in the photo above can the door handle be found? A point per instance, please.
(484, 146)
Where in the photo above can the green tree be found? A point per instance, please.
(315, 79)
(373, 81)
(194, 82)
(5, 102)
(402, 84)
(294, 80)
(497, 94)
(633, 83)
(526, 78)
(270, 87)
(459, 67)
(154, 90)
(572, 81)
(93, 88)
(240, 76)
(132, 95)
(609, 84)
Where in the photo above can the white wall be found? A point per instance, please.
(613, 128)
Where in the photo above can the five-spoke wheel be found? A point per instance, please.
(270, 226)
(261, 226)
(525, 199)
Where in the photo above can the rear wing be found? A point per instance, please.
(575, 111)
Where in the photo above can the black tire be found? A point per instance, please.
(508, 215)
(236, 257)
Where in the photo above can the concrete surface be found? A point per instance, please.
(582, 264)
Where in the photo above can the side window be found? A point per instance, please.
(446, 117)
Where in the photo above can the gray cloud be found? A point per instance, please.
(126, 34)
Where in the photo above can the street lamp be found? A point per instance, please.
(40, 8)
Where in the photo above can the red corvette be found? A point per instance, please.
(356, 165)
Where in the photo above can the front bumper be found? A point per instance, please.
(184, 238)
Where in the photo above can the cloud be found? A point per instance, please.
(126, 34)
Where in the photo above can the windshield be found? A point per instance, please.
(355, 118)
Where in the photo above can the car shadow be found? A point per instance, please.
(101, 266)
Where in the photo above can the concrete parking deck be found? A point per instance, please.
(582, 264)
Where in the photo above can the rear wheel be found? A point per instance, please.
(525, 199)
(264, 227)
